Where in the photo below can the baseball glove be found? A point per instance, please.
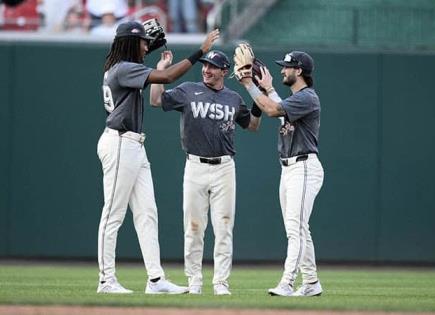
(243, 60)
(156, 32)
(256, 66)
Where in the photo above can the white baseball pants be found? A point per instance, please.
(127, 181)
(300, 183)
(208, 186)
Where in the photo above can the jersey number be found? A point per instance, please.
(108, 99)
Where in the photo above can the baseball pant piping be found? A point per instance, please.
(208, 186)
(130, 167)
(222, 212)
(195, 204)
(110, 205)
(301, 239)
(300, 184)
(145, 218)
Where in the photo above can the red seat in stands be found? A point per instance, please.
(21, 17)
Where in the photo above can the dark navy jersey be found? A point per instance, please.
(299, 131)
(123, 100)
(208, 117)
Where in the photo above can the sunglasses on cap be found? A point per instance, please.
(291, 59)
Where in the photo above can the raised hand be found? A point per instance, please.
(165, 60)
(209, 40)
(266, 79)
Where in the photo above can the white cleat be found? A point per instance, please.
(164, 286)
(112, 287)
(221, 289)
(282, 289)
(314, 289)
(195, 289)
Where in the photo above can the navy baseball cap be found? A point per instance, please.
(298, 59)
(131, 28)
(217, 58)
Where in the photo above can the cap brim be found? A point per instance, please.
(214, 63)
(283, 63)
(145, 37)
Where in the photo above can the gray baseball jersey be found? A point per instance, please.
(123, 100)
(207, 117)
(299, 134)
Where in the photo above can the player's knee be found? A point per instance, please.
(226, 220)
(291, 234)
(194, 226)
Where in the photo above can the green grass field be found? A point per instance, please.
(344, 288)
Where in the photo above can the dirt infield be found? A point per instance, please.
(79, 310)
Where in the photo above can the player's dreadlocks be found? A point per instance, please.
(124, 49)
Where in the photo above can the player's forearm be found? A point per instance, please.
(175, 71)
(268, 106)
(273, 95)
(156, 91)
(169, 74)
(265, 103)
(254, 123)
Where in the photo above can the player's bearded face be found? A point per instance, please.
(212, 75)
(289, 76)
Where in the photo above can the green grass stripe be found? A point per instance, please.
(379, 289)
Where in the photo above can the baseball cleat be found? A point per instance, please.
(112, 287)
(164, 286)
(195, 289)
(221, 289)
(309, 289)
(282, 289)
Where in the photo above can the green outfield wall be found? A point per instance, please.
(376, 144)
(368, 24)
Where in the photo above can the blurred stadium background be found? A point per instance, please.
(375, 61)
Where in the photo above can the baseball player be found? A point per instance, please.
(302, 172)
(127, 174)
(209, 112)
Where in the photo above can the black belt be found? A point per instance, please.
(303, 157)
(213, 161)
(210, 160)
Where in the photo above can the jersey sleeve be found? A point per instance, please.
(244, 115)
(174, 99)
(297, 106)
(133, 75)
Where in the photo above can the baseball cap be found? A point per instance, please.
(298, 59)
(217, 58)
(131, 28)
